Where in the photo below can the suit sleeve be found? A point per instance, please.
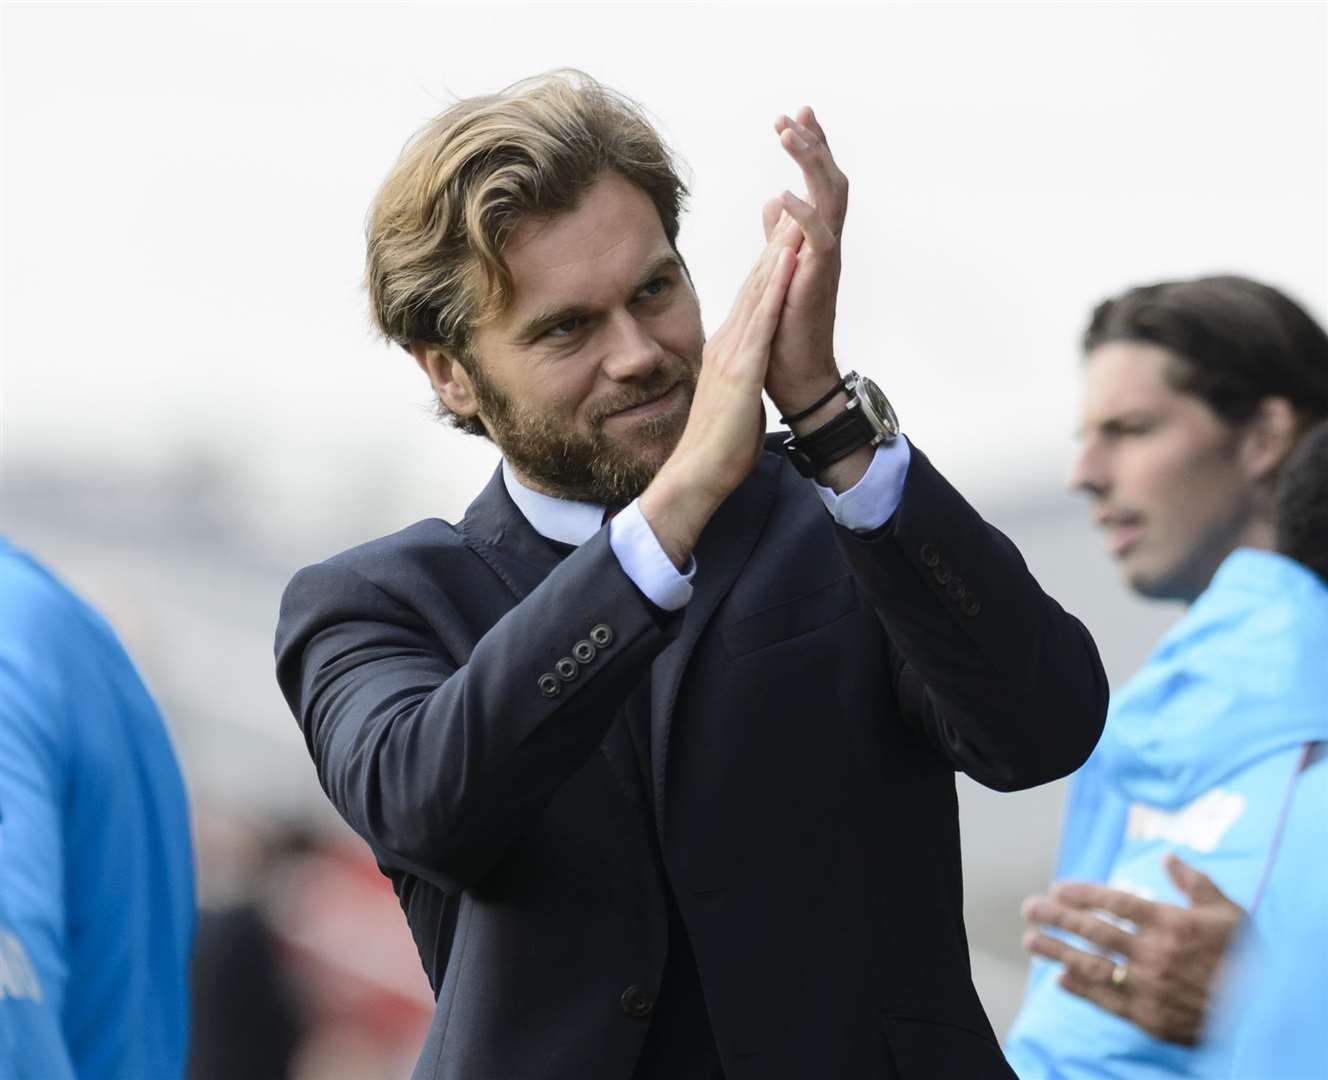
(437, 753)
(1005, 683)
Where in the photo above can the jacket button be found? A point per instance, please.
(637, 1003)
(970, 606)
(548, 685)
(583, 652)
(955, 590)
(567, 669)
(941, 574)
(929, 554)
(601, 635)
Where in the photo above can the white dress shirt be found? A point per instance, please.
(866, 506)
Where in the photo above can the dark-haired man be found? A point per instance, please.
(1195, 393)
(671, 795)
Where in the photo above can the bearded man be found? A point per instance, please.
(657, 744)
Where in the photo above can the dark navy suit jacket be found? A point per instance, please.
(793, 777)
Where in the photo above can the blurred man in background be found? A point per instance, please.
(658, 745)
(96, 868)
(1196, 392)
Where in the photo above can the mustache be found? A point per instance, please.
(658, 384)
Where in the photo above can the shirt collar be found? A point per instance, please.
(564, 520)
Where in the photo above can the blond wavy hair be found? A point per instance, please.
(437, 227)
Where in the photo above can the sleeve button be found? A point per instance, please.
(567, 669)
(941, 574)
(637, 1003)
(548, 685)
(583, 652)
(955, 590)
(601, 635)
(970, 606)
(929, 554)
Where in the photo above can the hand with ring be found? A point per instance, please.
(1168, 958)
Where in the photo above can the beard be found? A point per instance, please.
(592, 467)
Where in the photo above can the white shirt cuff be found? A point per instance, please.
(643, 560)
(872, 501)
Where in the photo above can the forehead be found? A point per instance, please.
(1123, 376)
(587, 255)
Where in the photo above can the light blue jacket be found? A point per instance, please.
(31, 1046)
(96, 866)
(1201, 756)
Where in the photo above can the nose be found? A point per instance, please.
(1089, 471)
(633, 353)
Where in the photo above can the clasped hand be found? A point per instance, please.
(779, 337)
(780, 334)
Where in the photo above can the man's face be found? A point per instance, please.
(586, 379)
(1164, 471)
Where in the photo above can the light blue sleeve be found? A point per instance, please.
(1272, 1015)
(638, 552)
(31, 1045)
(32, 794)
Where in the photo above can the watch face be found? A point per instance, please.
(876, 408)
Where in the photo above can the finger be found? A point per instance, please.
(1196, 886)
(1104, 996)
(1040, 944)
(787, 231)
(770, 214)
(750, 293)
(747, 296)
(755, 334)
(827, 189)
(760, 330)
(807, 119)
(1083, 894)
(1088, 966)
(813, 226)
(1047, 912)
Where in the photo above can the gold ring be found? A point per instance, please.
(1119, 974)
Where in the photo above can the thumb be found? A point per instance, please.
(1198, 887)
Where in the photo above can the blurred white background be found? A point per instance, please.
(193, 404)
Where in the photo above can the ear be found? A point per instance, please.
(451, 381)
(1269, 437)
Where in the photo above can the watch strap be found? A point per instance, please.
(831, 442)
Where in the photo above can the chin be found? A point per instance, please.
(1157, 584)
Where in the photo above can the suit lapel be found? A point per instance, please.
(724, 549)
(496, 530)
(500, 535)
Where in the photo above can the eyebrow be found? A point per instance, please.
(537, 323)
(1117, 420)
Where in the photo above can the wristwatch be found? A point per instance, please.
(869, 420)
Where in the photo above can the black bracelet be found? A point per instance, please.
(837, 388)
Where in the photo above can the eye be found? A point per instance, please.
(566, 328)
(654, 287)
